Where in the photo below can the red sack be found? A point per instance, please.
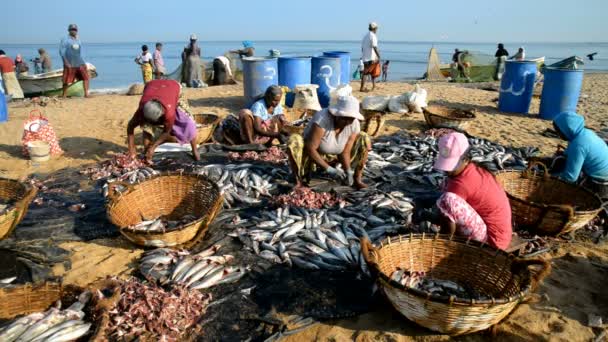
(38, 127)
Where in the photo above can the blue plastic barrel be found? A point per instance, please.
(259, 73)
(517, 86)
(326, 74)
(561, 89)
(3, 108)
(293, 70)
(344, 64)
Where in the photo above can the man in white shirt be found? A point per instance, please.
(371, 56)
(222, 74)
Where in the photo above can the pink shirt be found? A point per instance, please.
(158, 59)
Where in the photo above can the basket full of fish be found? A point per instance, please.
(167, 209)
(15, 198)
(437, 116)
(449, 284)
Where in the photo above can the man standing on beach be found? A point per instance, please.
(159, 63)
(74, 67)
(371, 56)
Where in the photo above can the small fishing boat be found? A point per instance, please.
(51, 83)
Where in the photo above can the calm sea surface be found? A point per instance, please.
(116, 68)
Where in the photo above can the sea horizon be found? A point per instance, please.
(117, 70)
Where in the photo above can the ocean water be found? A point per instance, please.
(117, 69)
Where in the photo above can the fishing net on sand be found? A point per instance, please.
(433, 68)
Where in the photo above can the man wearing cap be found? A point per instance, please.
(371, 56)
(161, 119)
(473, 204)
(74, 67)
(247, 51)
(191, 62)
(335, 134)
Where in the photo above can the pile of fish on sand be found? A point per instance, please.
(193, 271)
(328, 239)
(273, 155)
(150, 310)
(406, 157)
(53, 325)
(160, 225)
(120, 164)
(304, 197)
(242, 183)
(438, 287)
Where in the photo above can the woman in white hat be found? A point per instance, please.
(334, 133)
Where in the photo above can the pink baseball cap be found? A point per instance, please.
(451, 148)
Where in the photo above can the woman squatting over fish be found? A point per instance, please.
(473, 203)
(161, 119)
(335, 134)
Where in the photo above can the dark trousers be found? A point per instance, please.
(219, 72)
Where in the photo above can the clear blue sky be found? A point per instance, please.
(37, 21)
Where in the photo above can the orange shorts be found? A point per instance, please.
(71, 75)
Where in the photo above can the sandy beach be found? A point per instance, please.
(91, 130)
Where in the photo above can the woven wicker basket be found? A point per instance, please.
(548, 204)
(171, 195)
(208, 124)
(374, 121)
(28, 298)
(445, 117)
(490, 272)
(292, 115)
(23, 195)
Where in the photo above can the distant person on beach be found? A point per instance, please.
(11, 84)
(520, 55)
(370, 56)
(74, 67)
(159, 63)
(501, 56)
(586, 153)
(473, 204)
(385, 70)
(333, 135)
(260, 124)
(161, 119)
(45, 60)
(191, 64)
(21, 67)
(222, 74)
(247, 51)
(146, 62)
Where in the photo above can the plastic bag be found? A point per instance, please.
(398, 104)
(342, 90)
(39, 128)
(417, 99)
(378, 103)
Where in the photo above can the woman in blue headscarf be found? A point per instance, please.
(586, 152)
(247, 51)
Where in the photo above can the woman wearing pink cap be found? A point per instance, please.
(474, 204)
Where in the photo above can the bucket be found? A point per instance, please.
(293, 71)
(259, 73)
(517, 87)
(344, 64)
(3, 108)
(39, 151)
(325, 72)
(561, 89)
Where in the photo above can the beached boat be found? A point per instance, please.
(51, 83)
(482, 67)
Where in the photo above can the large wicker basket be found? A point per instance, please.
(292, 115)
(23, 195)
(547, 204)
(505, 280)
(437, 116)
(28, 298)
(205, 125)
(374, 121)
(171, 195)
